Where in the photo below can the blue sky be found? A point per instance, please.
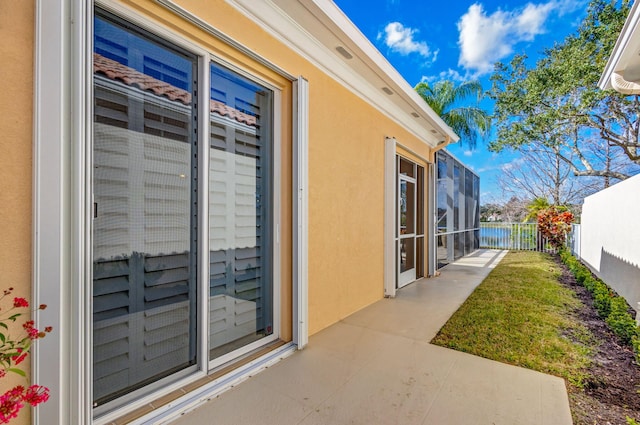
(457, 40)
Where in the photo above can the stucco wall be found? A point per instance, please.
(346, 157)
(610, 237)
(16, 74)
(346, 181)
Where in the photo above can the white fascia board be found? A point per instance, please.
(621, 54)
(286, 29)
(337, 16)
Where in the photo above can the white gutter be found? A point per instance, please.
(301, 25)
(620, 54)
(619, 84)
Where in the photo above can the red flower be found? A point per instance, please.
(48, 329)
(10, 404)
(20, 302)
(17, 359)
(36, 394)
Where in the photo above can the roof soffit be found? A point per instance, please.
(314, 28)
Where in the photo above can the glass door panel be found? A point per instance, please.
(241, 288)
(410, 225)
(407, 254)
(145, 203)
(407, 207)
(406, 230)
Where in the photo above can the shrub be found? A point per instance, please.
(590, 283)
(620, 321)
(602, 299)
(554, 223)
(610, 306)
(582, 274)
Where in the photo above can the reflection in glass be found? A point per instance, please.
(144, 189)
(407, 208)
(407, 168)
(407, 254)
(241, 290)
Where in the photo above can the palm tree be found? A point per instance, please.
(444, 97)
(536, 206)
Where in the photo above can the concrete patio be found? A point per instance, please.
(378, 367)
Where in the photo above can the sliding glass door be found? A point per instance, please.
(144, 204)
(149, 204)
(241, 291)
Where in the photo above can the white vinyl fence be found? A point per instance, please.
(517, 236)
(609, 237)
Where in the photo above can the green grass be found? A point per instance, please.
(521, 315)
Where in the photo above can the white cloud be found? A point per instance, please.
(401, 39)
(449, 74)
(485, 39)
(516, 163)
(468, 153)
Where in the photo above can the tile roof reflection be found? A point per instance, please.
(116, 71)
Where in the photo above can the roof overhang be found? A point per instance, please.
(622, 72)
(320, 32)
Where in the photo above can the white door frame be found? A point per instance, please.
(390, 211)
(408, 276)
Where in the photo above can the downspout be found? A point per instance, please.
(623, 86)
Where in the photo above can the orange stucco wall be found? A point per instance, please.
(346, 157)
(346, 165)
(16, 122)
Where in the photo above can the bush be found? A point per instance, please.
(554, 223)
(590, 283)
(611, 307)
(602, 299)
(582, 274)
(620, 321)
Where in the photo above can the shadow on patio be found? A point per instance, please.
(377, 367)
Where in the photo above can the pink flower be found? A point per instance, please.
(36, 394)
(10, 404)
(20, 302)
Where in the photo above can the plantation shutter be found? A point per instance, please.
(144, 213)
(240, 289)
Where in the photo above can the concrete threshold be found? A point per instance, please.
(378, 367)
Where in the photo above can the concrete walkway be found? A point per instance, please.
(377, 367)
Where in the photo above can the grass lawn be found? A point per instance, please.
(521, 315)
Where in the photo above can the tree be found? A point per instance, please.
(557, 104)
(514, 210)
(536, 206)
(541, 173)
(445, 98)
